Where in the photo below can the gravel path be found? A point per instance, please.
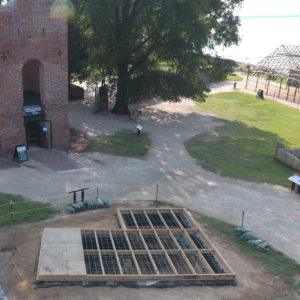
(271, 211)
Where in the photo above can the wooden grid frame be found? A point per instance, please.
(178, 252)
(167, 253)
(159, 212)
(185, 263)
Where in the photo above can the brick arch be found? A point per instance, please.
(31, 75)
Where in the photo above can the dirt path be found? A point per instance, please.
(271, 211)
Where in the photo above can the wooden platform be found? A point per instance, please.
(153, 244)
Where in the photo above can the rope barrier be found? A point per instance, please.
(2, 217)
(4, 204)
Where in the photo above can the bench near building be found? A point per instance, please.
(33, 76)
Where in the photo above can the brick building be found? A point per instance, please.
(33, 76)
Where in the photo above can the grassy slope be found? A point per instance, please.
(44, 210)
(123, 143)
(244, 147)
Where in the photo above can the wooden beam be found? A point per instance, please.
(100, 258)
(115, 252)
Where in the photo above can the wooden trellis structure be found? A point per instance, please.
(278, 74)
(152, 244)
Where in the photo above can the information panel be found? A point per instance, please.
(21, 153)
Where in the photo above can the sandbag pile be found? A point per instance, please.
(248, 236)
(87, 205)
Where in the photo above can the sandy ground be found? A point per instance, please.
(19, 248)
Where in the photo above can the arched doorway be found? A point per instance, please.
(34, 114)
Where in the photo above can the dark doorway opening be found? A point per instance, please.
(38, 133)
(33, 133)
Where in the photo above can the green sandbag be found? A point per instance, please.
(106, 202)
(262, 246)
(70, 210)
(89, 204)
(240, 230)
(76, 206)
(81, 205)
(96, 203)
(248, 236)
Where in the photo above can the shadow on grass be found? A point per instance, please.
(240, 151)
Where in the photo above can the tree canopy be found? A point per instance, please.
(151, 47)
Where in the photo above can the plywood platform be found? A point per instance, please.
(153, 244)
(61, 253)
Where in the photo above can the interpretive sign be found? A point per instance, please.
(21, 152)
(33, 110)
(295, 179)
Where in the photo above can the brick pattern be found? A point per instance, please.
(29, 36)
(54, 160)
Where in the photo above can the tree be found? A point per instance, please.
(130, 39)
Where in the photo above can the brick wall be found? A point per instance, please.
(30, 37)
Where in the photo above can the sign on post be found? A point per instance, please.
(295, 179)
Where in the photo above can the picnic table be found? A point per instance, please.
(295, 179)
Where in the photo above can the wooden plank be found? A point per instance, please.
(40, 256)
(132, 254)
(135, 223)
(162, 277)
(223, 262)
(202, 235)
(120, 219)
(182, 253)
(146, 215)
(115, 252)
(162, 219)
(177, 221)
(99, 252)
(207, 266)
(165, 252)
(190, 218)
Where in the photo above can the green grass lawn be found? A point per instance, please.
(122, 143)
(245, 146)
(43, 212)
(234, 77)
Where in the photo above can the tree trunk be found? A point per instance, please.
(121, 106)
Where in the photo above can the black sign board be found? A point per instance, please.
(21, 152)
(33, 110)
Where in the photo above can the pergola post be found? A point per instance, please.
(268, 85)
(247, 79)
(287, 96)
(295, 94)
(280, 87)
(256, 82)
